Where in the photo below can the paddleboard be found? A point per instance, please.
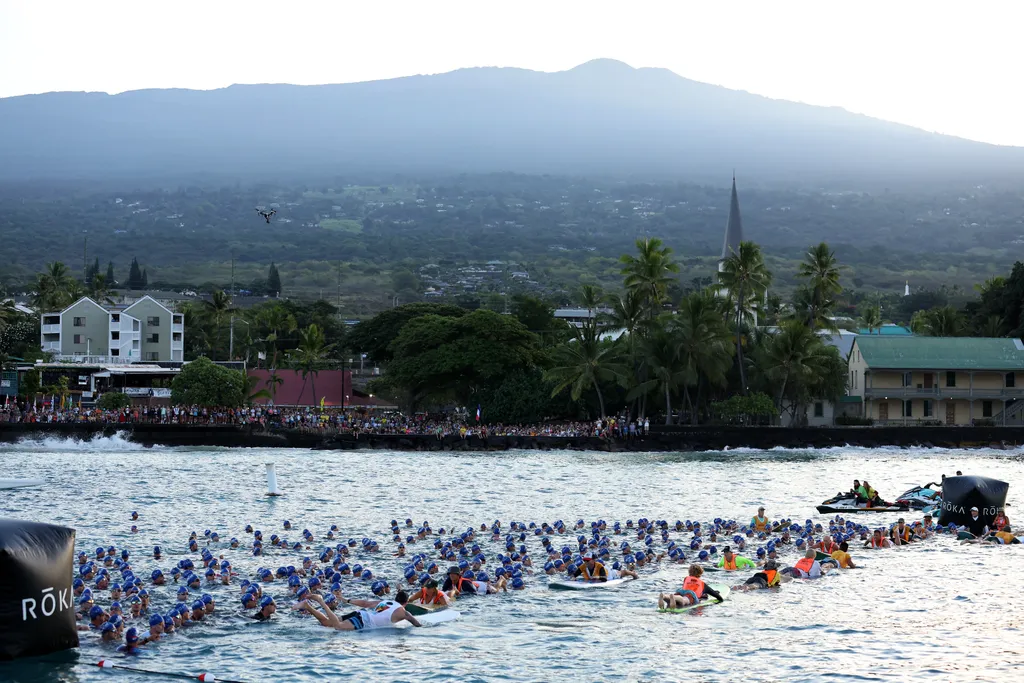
(724, 590)
(439, 617)
(19, 483)
(561, 585)
(965, 536)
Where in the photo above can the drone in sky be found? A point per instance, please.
(266, 214)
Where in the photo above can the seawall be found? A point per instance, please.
(661, 438)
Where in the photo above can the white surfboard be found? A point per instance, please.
(569, 585)
(19, 483)
(439, 617)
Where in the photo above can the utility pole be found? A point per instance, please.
(339, 286)
(85, 256)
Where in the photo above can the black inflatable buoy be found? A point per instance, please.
(37, 607)
(960, 494)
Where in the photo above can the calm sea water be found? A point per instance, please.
(933, 611)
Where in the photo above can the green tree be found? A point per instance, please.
(310, 355)
(273, 281)
(31, 384)
(114, 400)
(704, 346)
(54, 288)
(218, 310)
(274, 382)
(533, 312)
(459, 358)
(135, 280)
(111, 281)
(375, 336)
(202, 383)
(585, 362)
(666, 370)
(649, 273)
(944, 321)
(99, 289)
(746, 278)
(523, 397)
(871, 318)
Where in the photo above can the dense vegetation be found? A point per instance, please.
(360, 246)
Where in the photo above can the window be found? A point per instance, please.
(115, 336)
(950, 379)
(115, 352)
(819, 409)
(153, 320)
(153, 339)
(177, 337)
(115, 317)
(177, 320)
(78, 322)
(927, 408)
(908, 379)
(908, 408)
(78, 339)
(986, 408)
(151, 355)
(1011, 380)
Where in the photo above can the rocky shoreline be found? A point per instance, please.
(661, 439)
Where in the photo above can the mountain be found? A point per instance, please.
(602, 117)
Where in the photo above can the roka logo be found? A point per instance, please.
(47, 603)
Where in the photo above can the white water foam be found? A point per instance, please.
(119, 441)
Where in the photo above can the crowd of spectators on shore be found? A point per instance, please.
(327, 420)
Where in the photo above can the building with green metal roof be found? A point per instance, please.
(949, 380)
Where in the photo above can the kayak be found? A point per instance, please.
(19, 483)
(845, 503)
(562, 585)
(723, 590)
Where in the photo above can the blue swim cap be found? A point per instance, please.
(377, 588)
(367, 575)
(106, 627)
(95, 611)
(703, 555)
(517, 583)
(155, 620)
(198, 605)
(268, 600)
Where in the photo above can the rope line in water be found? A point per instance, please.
(205, 677)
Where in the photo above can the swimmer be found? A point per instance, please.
(430, 596)
(267, 608)
(131, 642)
(730, 561)
(769, 577)
(877, 540)
(694, 589)
(842, 556)
(371, 615)
(808, 567)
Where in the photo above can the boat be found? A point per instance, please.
(920, 498)
(19, 483)
(844, 503)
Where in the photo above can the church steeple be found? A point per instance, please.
(734, 226)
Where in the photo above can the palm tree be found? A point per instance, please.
(273, 383)
(275, 319)
(99, 289)
(745, 277)
(821, 270)
(871, 318)
(665, 369)
(649, 273)
(943, 321)
(583, 362)
(703, 343)
(919, 322)
(590, 297)
(251, 393)
(218, 308)
(54, 288)
(993, 326)
(310, 354)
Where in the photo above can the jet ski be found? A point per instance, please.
(920, 498)
(843, 503)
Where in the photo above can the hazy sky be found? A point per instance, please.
(952, 67)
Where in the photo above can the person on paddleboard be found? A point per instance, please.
(693, 590)
(373, 614)
(769, 577)
(730, 561)
(759, 522)
(592, 570)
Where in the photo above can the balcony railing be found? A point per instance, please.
(51, 329)
(51, 346)
(939, 393)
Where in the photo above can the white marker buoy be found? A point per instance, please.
(272, 480)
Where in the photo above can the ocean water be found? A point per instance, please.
(934, 611)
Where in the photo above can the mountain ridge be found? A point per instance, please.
(602, 116)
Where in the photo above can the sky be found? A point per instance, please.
(950, 67)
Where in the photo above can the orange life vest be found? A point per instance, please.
(905, 534)
(692, 583)
(599, 572)
(729, 565)
(828, 546)
(805, 565)
(438, 598)
(1000, 522)
(773, 577)
(760, 523)
(877, 543)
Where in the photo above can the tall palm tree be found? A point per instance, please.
(821, 270)
(276, 320)
(54, 288)
(665, 368)
(799, 367)
(746, 278)
(218, 308)
(310, 354)
(871, 318)
(590, 298)
(273, 384)
(649, 273)
(704, 346)
(584, 362)
(993, 326)
(99, 289)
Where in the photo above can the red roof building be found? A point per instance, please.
(333, 386)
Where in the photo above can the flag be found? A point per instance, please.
(477, 412)
(322, 402)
